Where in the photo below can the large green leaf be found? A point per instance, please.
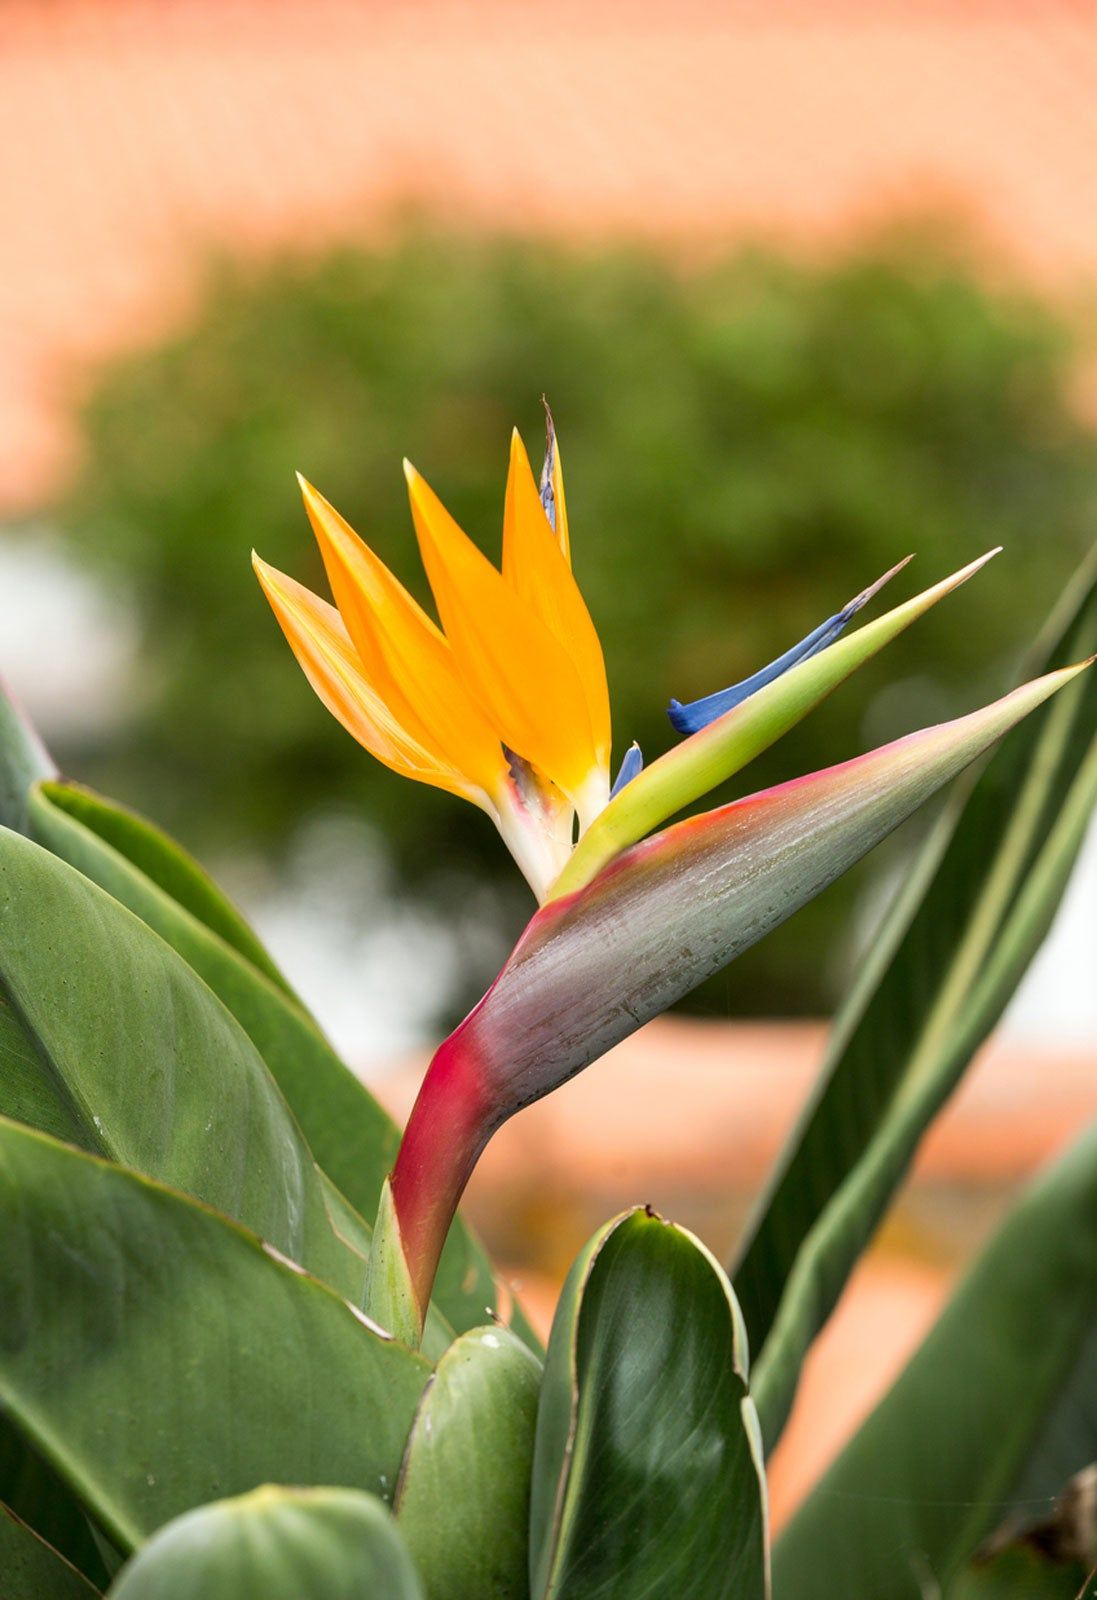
(352, 1139)
(23, 761)
(349, 1135)
(957, 940)
(276, 1544)
(463, 1496)
(647, 1477)
(161, 861)
(996, 1411)
(113, 1043)
(31, 1570)
(160, 1356)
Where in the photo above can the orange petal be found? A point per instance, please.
(408, 660)
(319, 639)
(535, 567)
(518, 670)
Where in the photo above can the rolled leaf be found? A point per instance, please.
(276, 1544)
(971, 915)
(463, 1498)
(160, 1356)
(992, 1415)
(647, 1476)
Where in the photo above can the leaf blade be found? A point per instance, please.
(157, 1353)
(462, 1502)
(990, 1411)
(646, 1476)
(275, 1544)
(974, 909)
(130, 1055)
(31, 1569)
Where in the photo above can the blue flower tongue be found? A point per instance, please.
(548, 493)
(699, 713)
(631, 764)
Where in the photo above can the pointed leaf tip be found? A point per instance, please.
(698, 714)
(725, 745)
(679, 906)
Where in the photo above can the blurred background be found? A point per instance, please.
(809, 286)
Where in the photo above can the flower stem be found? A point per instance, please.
(447, 1130)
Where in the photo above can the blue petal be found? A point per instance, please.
(699, 713)
(548, 494)
(630, 766)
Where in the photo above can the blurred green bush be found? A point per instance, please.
(748, 441)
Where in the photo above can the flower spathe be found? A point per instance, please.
(505, 704)
(503, 701)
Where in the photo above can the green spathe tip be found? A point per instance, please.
(717, 752)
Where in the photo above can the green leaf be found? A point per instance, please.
(464, 1491)
(647, 1476)
(159, 1356)
(351, 1137)
(162, 862)
(276, 1544)
(23, 761)
(348, 1133)
(994, 1412)
(32, 1490)
(972, 914)
(31, 1570)
(114, 1044)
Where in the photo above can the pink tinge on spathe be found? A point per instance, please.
(593, 966)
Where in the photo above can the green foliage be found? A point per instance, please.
(463, 1496)
(953, 948)
(647, 1474)
(995, 1410)
(747, 442)
(204, 1406)
(276, 1544)
(160, 1356)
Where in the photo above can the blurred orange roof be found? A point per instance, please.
(132, 132)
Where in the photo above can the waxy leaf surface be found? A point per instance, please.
(647, 1475)
(117, 1046)
(160, 1356)
(463, 1497)
(276, 1544)
(351, 1137)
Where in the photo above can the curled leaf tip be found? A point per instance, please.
(698, 714)
(851, 607)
